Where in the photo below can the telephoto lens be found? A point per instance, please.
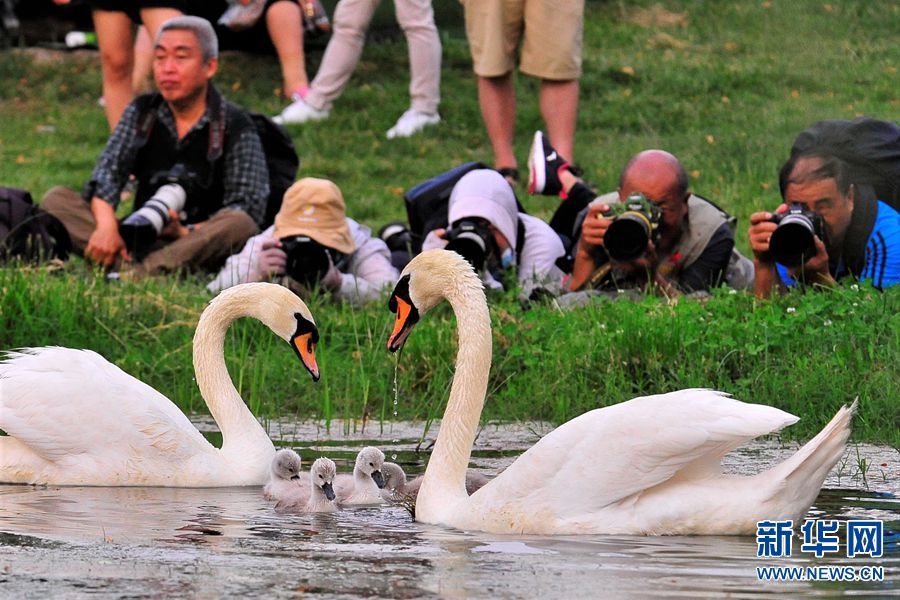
(141, 228)
(635, 223)
(307, 260)
(794, 240)
(472, 240)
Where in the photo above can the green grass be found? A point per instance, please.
(724, 85)
(805, 354)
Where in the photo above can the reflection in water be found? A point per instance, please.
(216, 542)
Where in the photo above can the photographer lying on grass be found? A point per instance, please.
(314, 244)
(488, 230)
(163, 140)
(651, 230)
(826, 229)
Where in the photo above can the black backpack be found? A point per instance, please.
(869, 147)
(426, 203)
(281, 156)
(27, 232)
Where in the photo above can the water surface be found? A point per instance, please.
(141, 542)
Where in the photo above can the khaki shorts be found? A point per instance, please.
(550, 33)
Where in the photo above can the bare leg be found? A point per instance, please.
(116, 60)
(283, 22)
(153, 18)
(143, 61)
(559, 107)
(497, 98)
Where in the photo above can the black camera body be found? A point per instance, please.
(142, 227)
(635, 222)
(794, 240)
(472, 239)
(179, 174)
(308, 261)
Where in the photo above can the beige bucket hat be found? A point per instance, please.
(315, 208)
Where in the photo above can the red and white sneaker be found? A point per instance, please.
(544, 166)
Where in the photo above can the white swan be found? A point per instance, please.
(75, 419)
(284, 475)
(318, 496)
(647, 466)
(398, 489)
(364, 486)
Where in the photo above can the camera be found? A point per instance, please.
(308, 261)
(141, 228)
(635, 222)
(794, 240)
(472, 239)
(396, 236)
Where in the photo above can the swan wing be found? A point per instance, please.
(64, 403)
(607, 455)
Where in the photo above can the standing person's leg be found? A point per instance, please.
(551, 51)
(559, 107)
(416, 18)
(497, 97)
(283, 21)
(494, 28)
(143, 61)
(114, 39)
(153, 18)
(351, 20)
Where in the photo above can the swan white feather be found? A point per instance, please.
(650, 465)
(73, 418)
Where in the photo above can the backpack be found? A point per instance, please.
(27, 232)
(869, 147)
(427, 202)
(281, 156)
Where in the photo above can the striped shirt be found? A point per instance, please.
(882, 261)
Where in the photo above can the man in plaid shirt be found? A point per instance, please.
(187, 134)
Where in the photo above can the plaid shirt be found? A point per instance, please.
(246, 179)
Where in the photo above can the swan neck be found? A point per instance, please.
(226, 406)
(453, 448)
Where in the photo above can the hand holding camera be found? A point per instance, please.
(792, 236)
(270, 261)
(627, 230)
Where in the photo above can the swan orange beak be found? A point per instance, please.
(305, 347)
(407, 317)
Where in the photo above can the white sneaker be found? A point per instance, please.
(411, 122)
(301, 112)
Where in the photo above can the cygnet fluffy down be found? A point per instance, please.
(318, 496)
(284, 476)
(398, 489)
(364, 486)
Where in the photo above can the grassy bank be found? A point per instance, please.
(805, 354)
(724, 85)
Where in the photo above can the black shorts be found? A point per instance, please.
(132, 8)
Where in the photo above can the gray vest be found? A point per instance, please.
(703, 219)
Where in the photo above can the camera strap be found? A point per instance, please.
(215, 105)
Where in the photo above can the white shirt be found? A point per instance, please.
(364, 276)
